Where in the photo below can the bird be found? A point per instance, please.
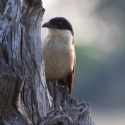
(59, 52)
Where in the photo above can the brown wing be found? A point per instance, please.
(70, 77)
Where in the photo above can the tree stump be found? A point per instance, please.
(67, 110)
(24, 95)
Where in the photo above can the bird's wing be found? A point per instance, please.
(70, 78)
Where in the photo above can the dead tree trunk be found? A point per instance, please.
(24, 97)
(21, 62)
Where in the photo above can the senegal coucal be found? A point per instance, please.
(59, 52)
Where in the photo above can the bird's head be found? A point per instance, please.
(59, 23)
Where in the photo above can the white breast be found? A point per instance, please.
(58, 53)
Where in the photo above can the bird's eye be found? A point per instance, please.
(59, 24)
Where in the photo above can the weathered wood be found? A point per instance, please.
(12, 110)
(35, 95)
(24, 97)
(68, 111)
(20, 39)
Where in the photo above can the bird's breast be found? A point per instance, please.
(59, 58)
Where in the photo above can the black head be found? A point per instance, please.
(59, 23)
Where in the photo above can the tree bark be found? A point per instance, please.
(67, 110)
(21, 63)
(24, 95)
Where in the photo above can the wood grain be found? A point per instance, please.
(24, 96)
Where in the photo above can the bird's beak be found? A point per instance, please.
(48, 25)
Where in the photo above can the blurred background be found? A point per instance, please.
(99, 27)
